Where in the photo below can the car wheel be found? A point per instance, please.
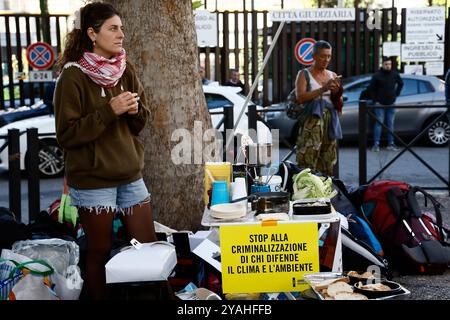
(439, 133)
(51, 159)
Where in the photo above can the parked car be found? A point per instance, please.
(40, 107)
(49, 165)
(417, 90)
(217, 98)
(30, 89)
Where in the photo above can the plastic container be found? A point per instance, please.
(274, 182)
(220, 193)
(221, 171)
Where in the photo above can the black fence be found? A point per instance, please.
(357, 48)
(244, 38)
(31, 172)
(36, 142)
(21, 30)
(366, 113)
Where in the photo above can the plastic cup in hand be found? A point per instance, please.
(220, 193)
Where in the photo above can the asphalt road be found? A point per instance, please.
(407, 168)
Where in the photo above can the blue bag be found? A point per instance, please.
(361, 230)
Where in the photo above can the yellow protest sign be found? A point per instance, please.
(273, 258)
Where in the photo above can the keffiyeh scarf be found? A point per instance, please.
(104, 72)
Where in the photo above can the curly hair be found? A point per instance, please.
(93, 15)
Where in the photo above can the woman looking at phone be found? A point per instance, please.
(318, 133)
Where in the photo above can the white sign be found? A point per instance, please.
(209, 250)
(422, 52)
(425, 25)
(324, 14)
(206, 26)
(434, 68)
(414, 69)
(41, 76)
(391, 49)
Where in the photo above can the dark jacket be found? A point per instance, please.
(238, 84)
(385, 86)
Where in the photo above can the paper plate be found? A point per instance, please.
(228, 211)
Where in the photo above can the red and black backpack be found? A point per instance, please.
(411, 240)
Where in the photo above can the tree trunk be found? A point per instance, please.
(160, 40)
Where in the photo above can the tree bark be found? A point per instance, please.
(160, 40)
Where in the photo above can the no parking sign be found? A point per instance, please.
(40, 55)
(304, 50)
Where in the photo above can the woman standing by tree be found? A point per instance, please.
(100, 109)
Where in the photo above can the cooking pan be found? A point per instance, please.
(268, 202)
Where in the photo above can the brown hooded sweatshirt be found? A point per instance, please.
(101, 149)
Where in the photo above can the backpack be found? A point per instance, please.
(357, 226)
(343, 202)
(358, 255)
(361, 230)
(409, 238)
(295, 110)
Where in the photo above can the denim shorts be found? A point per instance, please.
(121, 198)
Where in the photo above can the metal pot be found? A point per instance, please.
(258, 154)
(271, 202)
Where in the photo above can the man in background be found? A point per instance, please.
(234, 80)
(384, 88)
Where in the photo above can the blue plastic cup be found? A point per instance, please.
(220, 193)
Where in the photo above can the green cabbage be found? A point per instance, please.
(307, 185)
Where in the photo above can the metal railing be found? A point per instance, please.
(365, 111)
(34, 145)
(32, 173)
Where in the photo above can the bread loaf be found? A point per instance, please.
(324, 284)
(338, 287)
